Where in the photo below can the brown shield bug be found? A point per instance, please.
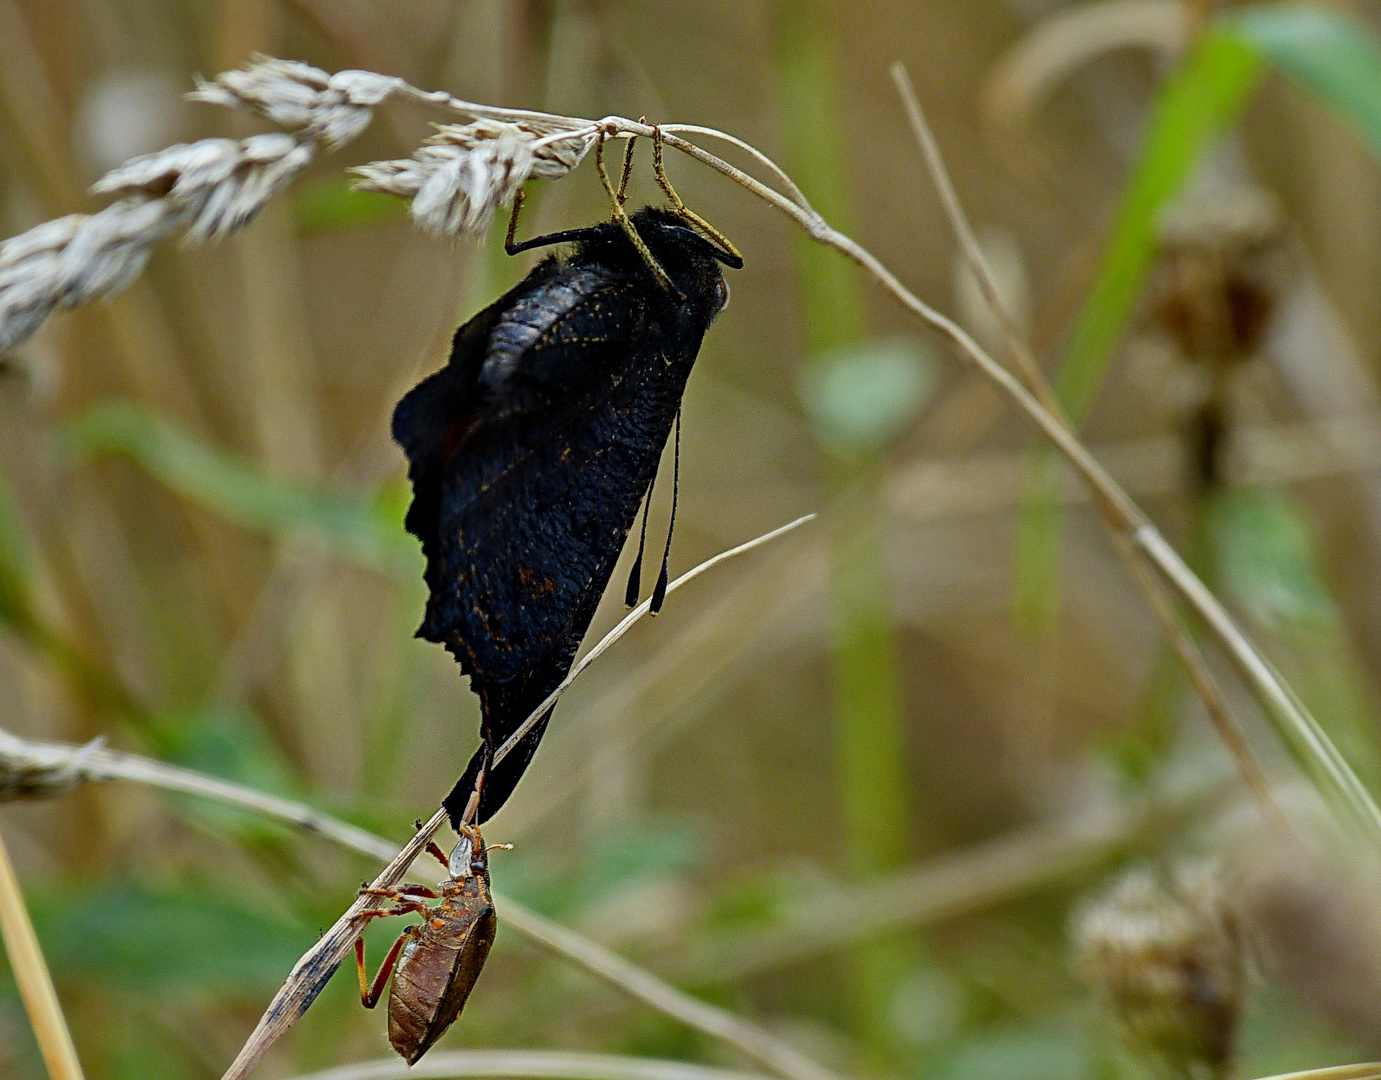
(434, 963)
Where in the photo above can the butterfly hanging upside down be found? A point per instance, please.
(530, 451)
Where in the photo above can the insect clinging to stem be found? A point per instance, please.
(530, 452)
(436, 962)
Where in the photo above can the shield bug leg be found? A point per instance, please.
(402, 907)
(433, 848)
(401, 892)
(736, 256)
(370, 992)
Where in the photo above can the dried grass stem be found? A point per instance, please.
(1200, 676)
(31, 974)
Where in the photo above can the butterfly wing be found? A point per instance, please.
(529, 454)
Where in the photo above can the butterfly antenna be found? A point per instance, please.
(680, 207)
(626, 224)
(635, 577)
(659, 594)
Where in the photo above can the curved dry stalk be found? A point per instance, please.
(1367, 1070)
(1280, 703)
(531, 1065)
(33, 769)
(626, 623)
(30, 769)
(1157, 597)
(31, 975)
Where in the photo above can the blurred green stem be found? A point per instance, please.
(869, 728)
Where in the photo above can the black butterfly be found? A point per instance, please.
(530, 452)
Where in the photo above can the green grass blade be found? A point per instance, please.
(330, 205)
(238, 492)
(16, 609)
(1193, 107)
(1326, 52)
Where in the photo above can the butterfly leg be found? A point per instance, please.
(626, 224)
(627, 174)
(508, 245)
(679, 206)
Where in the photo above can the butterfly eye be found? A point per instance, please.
(722, 294)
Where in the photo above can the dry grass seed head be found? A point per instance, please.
(332, 108)
(463, 174)
(1163, 954)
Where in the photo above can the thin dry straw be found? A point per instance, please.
(31, 770)
(530, 1065)
(566, 1065)
(1156, 595)
(31, 973)
(626, 623)
(1368, 1070)
(318, 964)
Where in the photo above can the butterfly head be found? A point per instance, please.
(693, 262)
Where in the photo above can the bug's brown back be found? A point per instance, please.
(438, 969)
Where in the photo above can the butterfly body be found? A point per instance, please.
(530, 453)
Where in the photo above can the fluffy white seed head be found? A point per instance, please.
(465, 172)
(210, 188)
(217, 185)
(213, 187)
(332, 108)
(76, 259)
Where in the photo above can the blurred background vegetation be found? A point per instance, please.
(893, 787)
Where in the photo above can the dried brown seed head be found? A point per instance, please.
(1164, 956)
